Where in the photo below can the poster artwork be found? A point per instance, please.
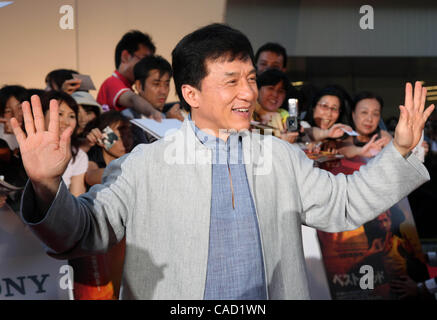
(383, 249)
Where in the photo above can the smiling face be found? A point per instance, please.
(366, 116)
(12, 109)
(326, 111)
(227, 96)
(67, 118)
(84, 116)
(271, 97)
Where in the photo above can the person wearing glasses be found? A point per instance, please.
(327, 113)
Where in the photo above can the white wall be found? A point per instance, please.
(32, 42)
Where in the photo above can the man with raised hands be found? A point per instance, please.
(231, 229)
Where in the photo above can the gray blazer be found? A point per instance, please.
(159, 197)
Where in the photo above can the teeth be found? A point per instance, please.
(242, 110)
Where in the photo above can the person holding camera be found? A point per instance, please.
(273, 86)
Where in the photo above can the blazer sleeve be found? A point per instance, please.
(335, 203)
(92, 222)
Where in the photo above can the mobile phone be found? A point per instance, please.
(292, 121)
(86, 84)
(109, 138)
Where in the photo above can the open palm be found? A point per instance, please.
(412, 119)
(338, 130)
(44, 153)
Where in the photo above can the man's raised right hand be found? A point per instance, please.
(45, 154)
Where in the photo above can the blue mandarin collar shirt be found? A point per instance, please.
(235, 268)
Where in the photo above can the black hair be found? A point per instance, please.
(19, 92)
(358, 97)
(366, 95)
(212, 42)
(331, 90)
(131, 42)
(91, 108)
(107, 119)
(273, 77)
(145, 65)
(306, 95)
(168, 106)
(62, 96)
(273, 47)
(58, 77)
(34, 91)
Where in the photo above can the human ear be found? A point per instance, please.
(138, 86)
(125, 56)
(191, 95)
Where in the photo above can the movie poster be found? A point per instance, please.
(360, 264)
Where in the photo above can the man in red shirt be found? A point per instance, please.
(116, 91)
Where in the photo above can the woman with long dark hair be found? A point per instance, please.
(74, 175)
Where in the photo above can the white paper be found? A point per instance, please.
(351, 133)
(5, 3)
(158, 129)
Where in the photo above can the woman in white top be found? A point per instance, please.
(74, 175)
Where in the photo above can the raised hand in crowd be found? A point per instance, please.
(175, 112)
(412, 118)
(133, 100)
(336, 131)
(373, 147)
(94, 137)
(70, 86)
(370, 149)
(44, 153)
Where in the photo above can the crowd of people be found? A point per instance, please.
(331, 121)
